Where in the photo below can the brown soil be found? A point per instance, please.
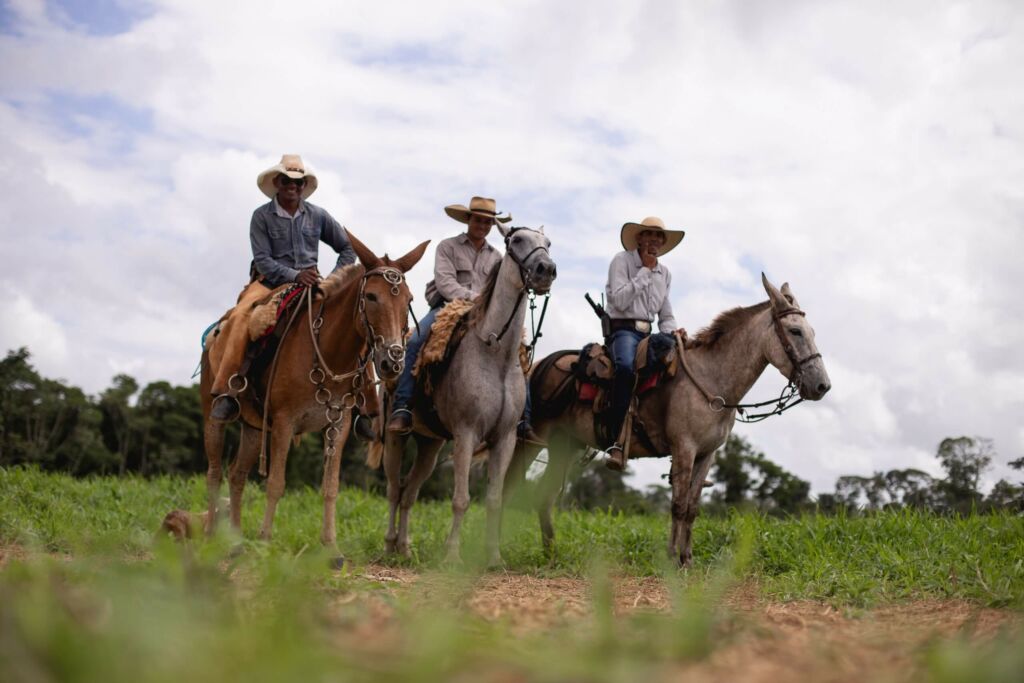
(774, 641)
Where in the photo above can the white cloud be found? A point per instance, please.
(870, 154)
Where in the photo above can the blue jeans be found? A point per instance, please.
(406, 382)
(622, 345)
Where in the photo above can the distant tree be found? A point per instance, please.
(910, 488)
(731, 469)
(964, 458)
(1007, 495)
(748, 476)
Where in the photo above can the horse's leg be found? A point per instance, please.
(332, 470)
(700, 471)
(681, 475)
(426, 460)
(522, 457)
(497, 467)
(248, 452)
(560, 455)
(462, 457)
(394, 448)
(280, 440)
(213, 444)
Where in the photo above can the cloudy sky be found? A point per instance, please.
(869, 153)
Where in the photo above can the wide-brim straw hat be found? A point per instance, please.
(631, 230)
(481, 206)
(290, 165)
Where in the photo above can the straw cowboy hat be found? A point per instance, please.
(480, 206)
(290, 165)
(631, 230)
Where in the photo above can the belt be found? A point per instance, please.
(641, 326)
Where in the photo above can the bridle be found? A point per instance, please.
(524, 276)
(789, 396)
(321, 372)
(395, 278)
(787, 345)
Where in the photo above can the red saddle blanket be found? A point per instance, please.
(588, 391)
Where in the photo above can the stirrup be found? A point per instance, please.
(235, 410)
(406, 428)
(616, 460)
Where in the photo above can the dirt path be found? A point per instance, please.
(776, 641)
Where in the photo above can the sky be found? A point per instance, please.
(868, 153)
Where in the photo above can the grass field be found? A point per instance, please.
(89, 591)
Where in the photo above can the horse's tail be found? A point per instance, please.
(550, 401)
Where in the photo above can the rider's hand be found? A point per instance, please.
(308, 277)
(649, 257)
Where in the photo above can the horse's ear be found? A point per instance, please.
(367, 257)
(406, 263)
(774, 295)
(788, 293)
(502, 229)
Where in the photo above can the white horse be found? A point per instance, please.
(478, 400)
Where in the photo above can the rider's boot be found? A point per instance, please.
(362, 425)
(226, 407)
(525, 433)
(401, 421)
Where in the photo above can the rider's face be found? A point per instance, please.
(479, 226)
(288, 190)
(650, 241)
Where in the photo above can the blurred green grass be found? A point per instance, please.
(848, 561)
(94, 594)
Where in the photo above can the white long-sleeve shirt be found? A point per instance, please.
(639, 293)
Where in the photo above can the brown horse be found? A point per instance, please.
(688, 416)
(359, 314)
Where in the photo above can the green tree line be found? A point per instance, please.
(157, 429)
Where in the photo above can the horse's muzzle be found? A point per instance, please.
(391, 363)
(542, 275)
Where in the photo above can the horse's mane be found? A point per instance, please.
(340, 278)
(483, 299)
(725, 323)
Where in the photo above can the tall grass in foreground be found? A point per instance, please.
(94, 595)
(849, 561)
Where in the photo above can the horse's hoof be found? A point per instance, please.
(336, 563)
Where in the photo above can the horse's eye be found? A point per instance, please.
(796, 332)
(370, 296)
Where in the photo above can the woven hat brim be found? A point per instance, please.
(631, 230)
(462, 213)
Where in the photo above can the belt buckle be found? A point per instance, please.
(642, 326)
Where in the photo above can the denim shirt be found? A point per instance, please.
(283, 245)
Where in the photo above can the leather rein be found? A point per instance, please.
(789, 396)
